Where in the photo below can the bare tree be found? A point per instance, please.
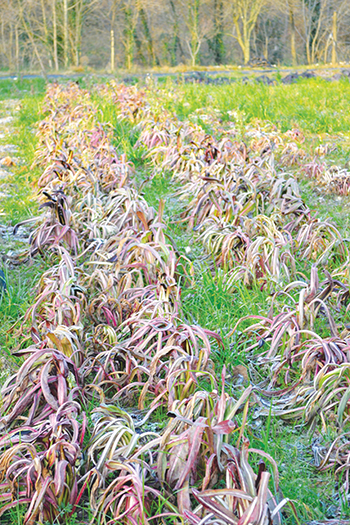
(216, 44)
(130, 12)
(199, 26)
(65, 33)
(245, 14)
(313, 16)
(55, 33)
(82, 8)
(291, 13)
(9, 27)
(26, 16)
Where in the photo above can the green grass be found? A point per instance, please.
(15, 300)
(314, 105)
(317, 107)
(21, 88)
(210, 304)
(325, 206)
(21, 202)
(312, 492)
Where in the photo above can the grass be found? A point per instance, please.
(318, 107)
(290, 445)
(14, 301)
(210, 304)
(21, 88)
(336, 207)
(19, 204)
(314, 105)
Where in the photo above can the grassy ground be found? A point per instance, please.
(314, 105)
(21, 88)
(210, 304)
(319, 108)
(19, 204)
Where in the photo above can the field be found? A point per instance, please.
(176, 332)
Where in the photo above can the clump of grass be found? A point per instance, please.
(20, 202)
(21, 88)
(16, 295)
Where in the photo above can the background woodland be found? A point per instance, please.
(107, 34)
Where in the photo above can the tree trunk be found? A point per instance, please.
(129, 37)
(148, 35)
(114, 7)
(328, 43)
(308, 54)
(30, 35)
(194, 29)
(10, 46)
(78, 26)
(65, 32)
(54, 36)
(292, 34)
(218, 41)
(194, 53)
(46, 31)
(243, 38)
(175, 43)
(3, 35)
(246, 52)
(112, 50)
(17, 48)
(334, 42)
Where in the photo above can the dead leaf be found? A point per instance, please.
(7, 161)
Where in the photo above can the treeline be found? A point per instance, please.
(108, 34)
